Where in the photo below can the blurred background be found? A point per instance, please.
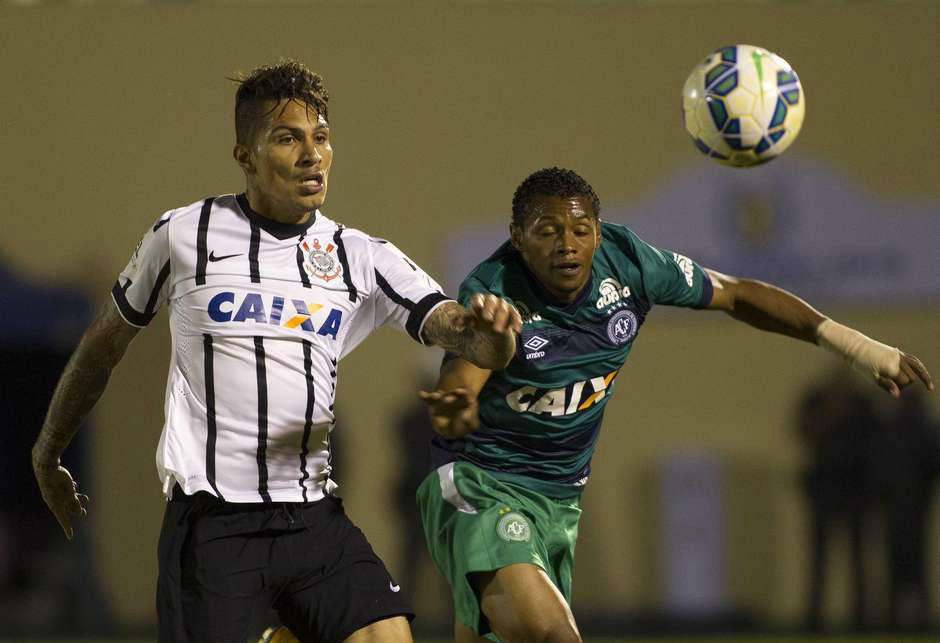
(743, 481)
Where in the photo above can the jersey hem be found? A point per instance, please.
(253, 497)
(550, 488)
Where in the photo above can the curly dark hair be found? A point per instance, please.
(550, 181)
(287, 79)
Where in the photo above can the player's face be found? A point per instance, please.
(557, 243)
(288, 163)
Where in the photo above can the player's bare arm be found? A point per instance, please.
(452, 404)
(81, 384)
(484, 332)
(773, 309)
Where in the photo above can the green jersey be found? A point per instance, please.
(541, 416)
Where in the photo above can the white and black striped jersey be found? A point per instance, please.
(260, 313)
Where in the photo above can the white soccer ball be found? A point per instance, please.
(743, 105)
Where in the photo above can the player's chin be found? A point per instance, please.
(310, 202)
(567, 278)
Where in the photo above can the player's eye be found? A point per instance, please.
(321, 138)
(286, 139)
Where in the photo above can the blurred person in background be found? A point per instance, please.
(265, 296)
(908, 463)
(46, 587)
(839, 427)
(501, 510)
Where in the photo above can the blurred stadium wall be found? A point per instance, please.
(114, 112)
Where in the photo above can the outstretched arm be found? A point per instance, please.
(452, 404)
(81, 384)
(773, 309)
(484, 332)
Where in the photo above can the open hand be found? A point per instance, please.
(453, 413)
(60, 492)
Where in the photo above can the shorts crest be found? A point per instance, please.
(513, 527)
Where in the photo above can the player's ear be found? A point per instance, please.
(242, 156)
(515, 236)
(597, 234)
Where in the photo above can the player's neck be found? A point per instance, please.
(267, 209)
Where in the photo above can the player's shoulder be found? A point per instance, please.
(191, 213)
(618, 234)
(354, 240)
(359, 246)
(618, 240)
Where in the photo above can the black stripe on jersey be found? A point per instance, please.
(210, 412)
(119, 293)
(253, 247)
(162, 222)
(305, 280)
(308, 416)
(416, 312)
(150, 310)
(420, 311)
(202, 252)
(262, 419)
(404, 302)
(341, 253)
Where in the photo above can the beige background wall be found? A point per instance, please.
(111, 115)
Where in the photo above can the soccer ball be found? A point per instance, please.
(743, 105)
(278, 635)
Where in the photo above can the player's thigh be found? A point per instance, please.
(389, 630)
(223, 592)
(524, 606)
(343, 588)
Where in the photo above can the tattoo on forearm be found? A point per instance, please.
(449, 327)
(82, 382)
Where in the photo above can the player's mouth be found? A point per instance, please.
(312, 183)
(567, 268)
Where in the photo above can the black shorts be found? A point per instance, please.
(223, 566)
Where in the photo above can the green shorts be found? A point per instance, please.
(474, 522)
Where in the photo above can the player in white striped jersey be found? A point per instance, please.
(266, 294)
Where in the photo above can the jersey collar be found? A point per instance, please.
(275, 228)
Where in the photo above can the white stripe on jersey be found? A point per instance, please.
(260, 314)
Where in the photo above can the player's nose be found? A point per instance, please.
(566, 242)
(309, 153)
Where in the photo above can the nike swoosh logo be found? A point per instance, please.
(394, 588)
(212, 256)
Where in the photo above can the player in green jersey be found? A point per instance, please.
(501, 510)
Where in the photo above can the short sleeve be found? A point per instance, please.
(406, 295)
(142, 286)
(671, 278)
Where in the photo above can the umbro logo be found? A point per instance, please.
(534, 346)
(212, 256)
(535, 343)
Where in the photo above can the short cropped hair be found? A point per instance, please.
(288, 79)
(551, 181)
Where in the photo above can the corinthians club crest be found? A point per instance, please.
(320, 263)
